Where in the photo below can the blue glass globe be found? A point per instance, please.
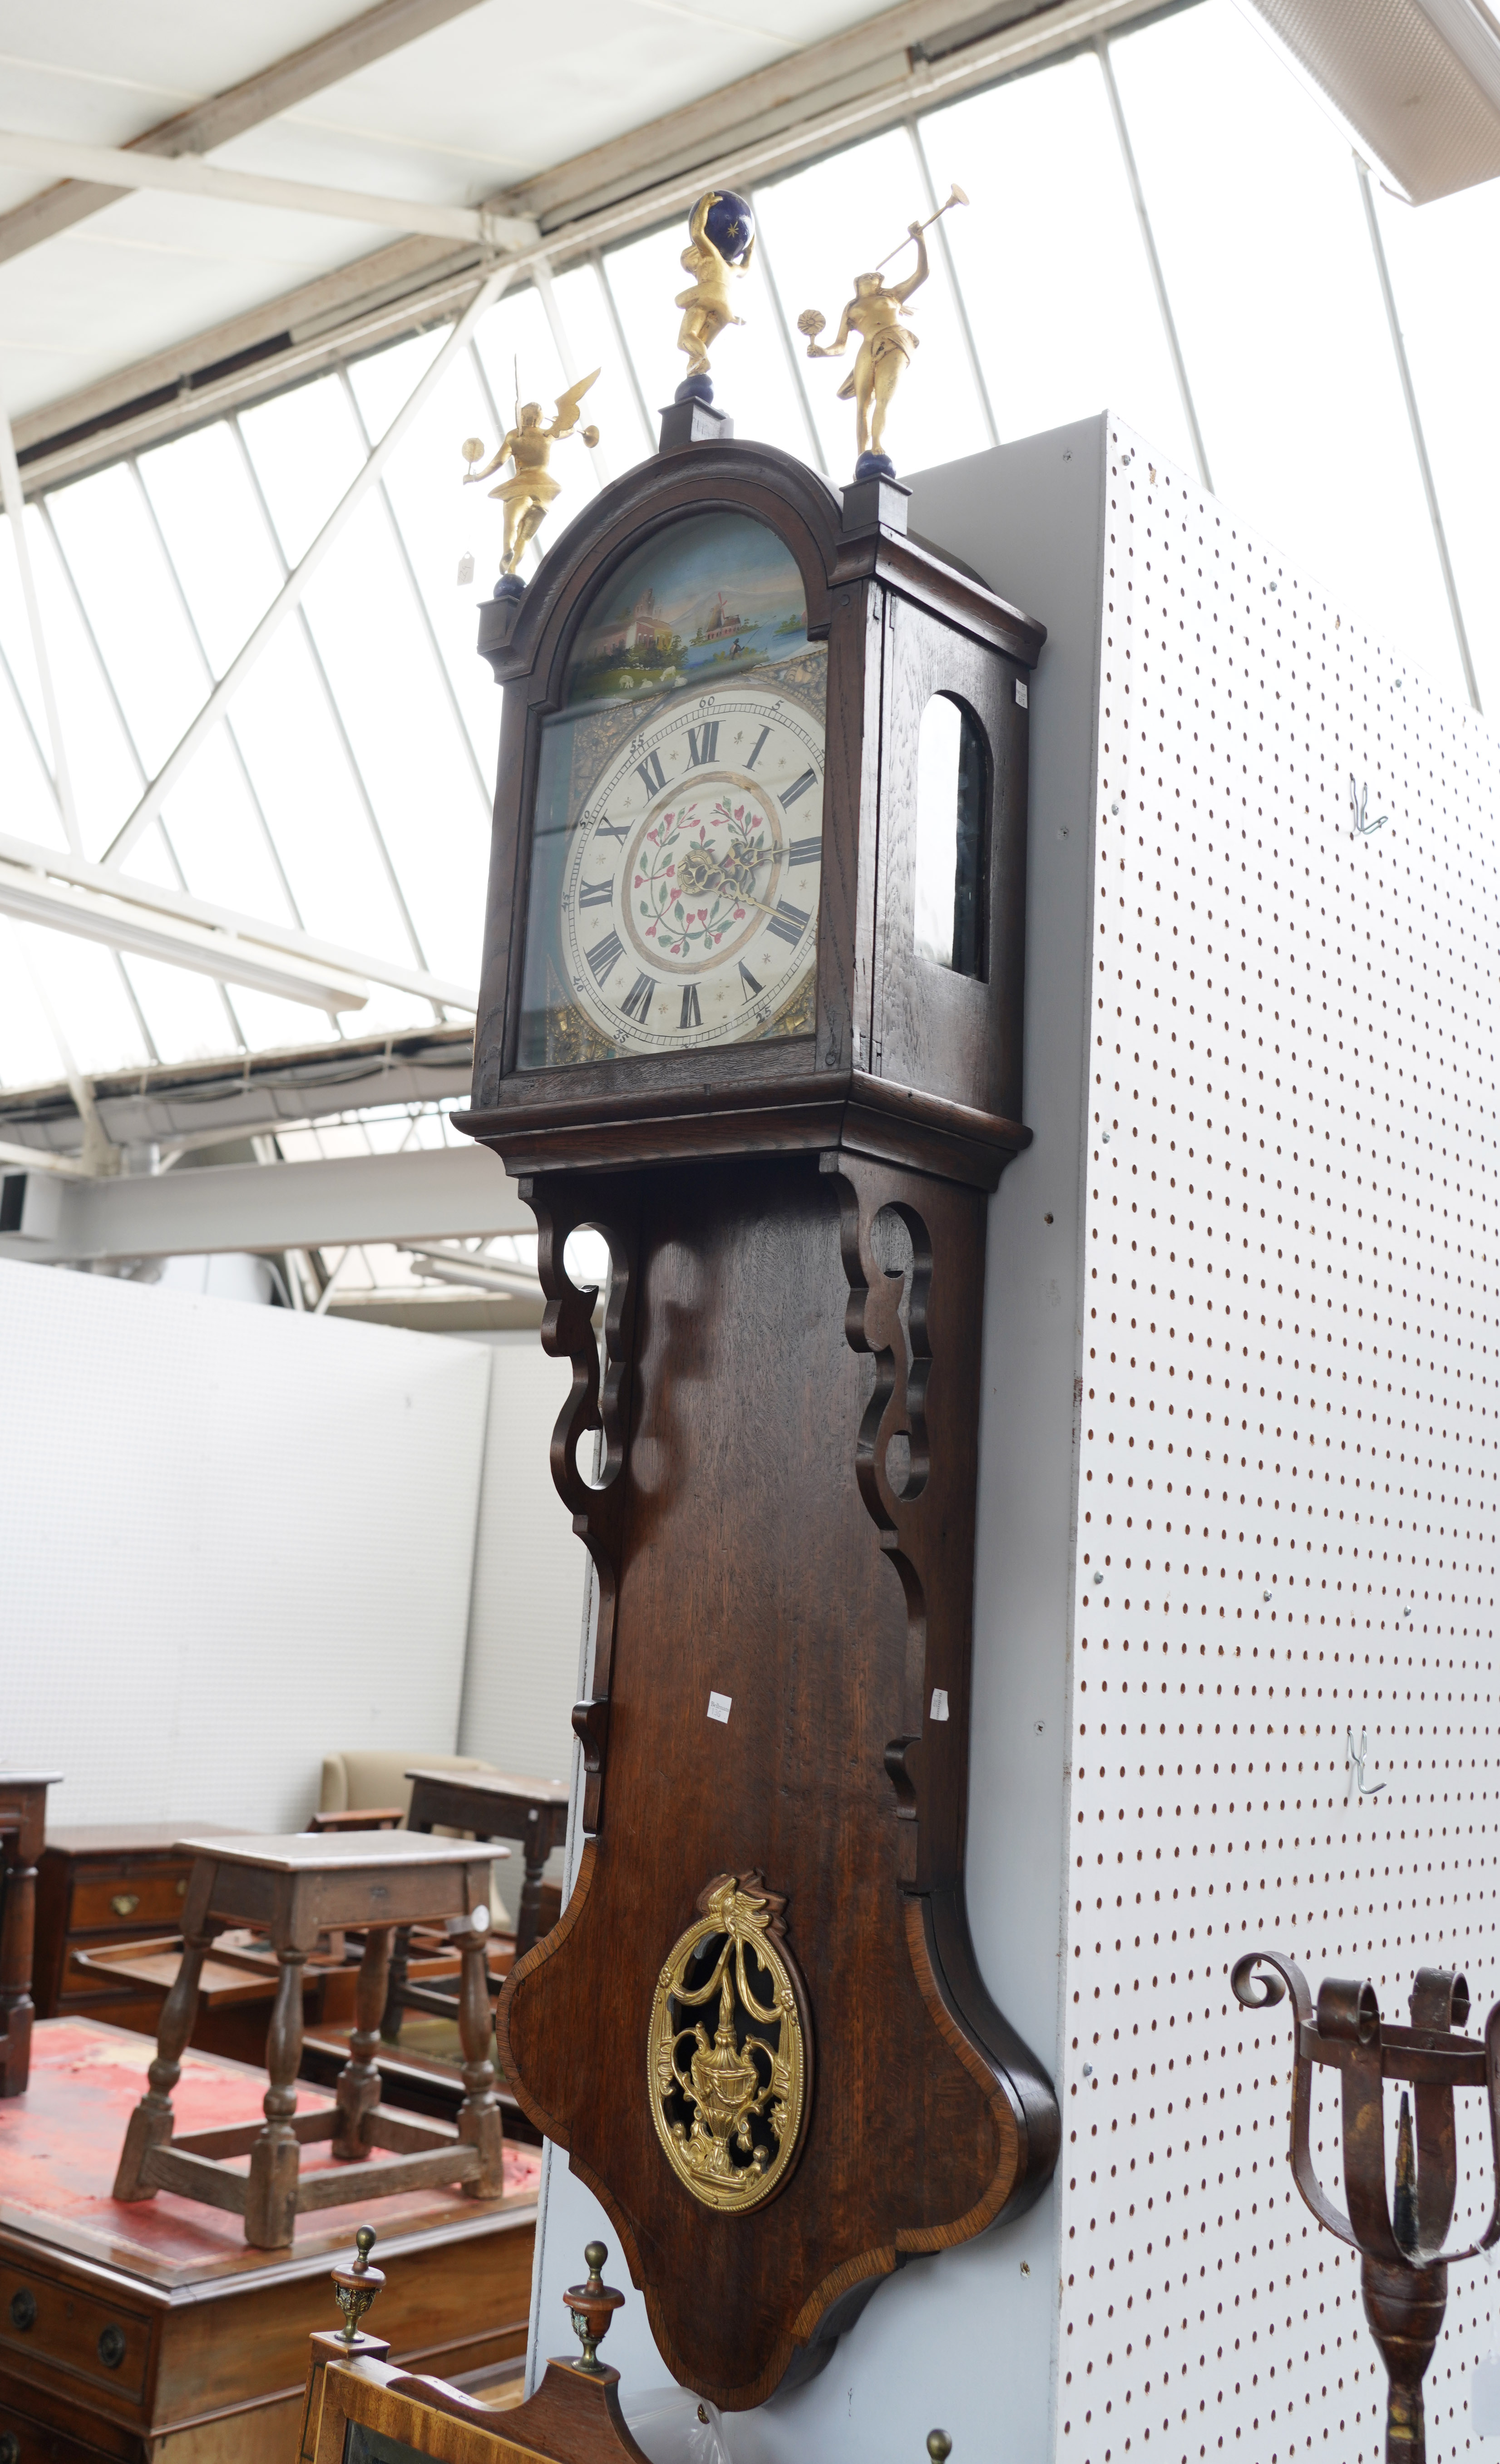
(730, 226)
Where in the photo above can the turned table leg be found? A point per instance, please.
(17, 1928)
(396, 1985)
(479, 2121)
(150, 2125)
(271, 2191)
(528, 1913)
(358, 2089)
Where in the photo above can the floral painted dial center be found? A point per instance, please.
(689, 900)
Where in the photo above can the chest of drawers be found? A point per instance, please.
(105, 1884)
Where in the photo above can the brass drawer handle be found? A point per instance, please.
(112, 2346)
(23, 2309)
(125, 1902)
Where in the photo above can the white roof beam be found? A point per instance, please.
(371, 36)
(187, 175)
(213, 940)
(424, 1194)
(196, 1103)
(32, 898)
(850, 87)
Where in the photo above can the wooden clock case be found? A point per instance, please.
(784, 1509)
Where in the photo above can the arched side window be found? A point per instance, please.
(950, 889)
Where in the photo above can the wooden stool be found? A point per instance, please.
(22, 1825)
(297, 1887)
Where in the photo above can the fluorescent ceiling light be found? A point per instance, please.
(1416, 80)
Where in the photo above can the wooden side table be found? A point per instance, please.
(493, 1806)
(297, 1887)
(99, 1886)
(23, 1827)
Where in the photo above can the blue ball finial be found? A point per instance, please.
(730, 225)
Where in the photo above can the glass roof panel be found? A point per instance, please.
(185, 1012)
(611, 404)
(215, 535)
(16, 635)
(219, 835)
(82, 985)
(134, 613)
(1063, 319)
(29, 808)
(105, 776)
(1442, 261)
(440, 519)
(384, 380)
(311, 803)
(154, 859)
(29, 1055)
(1262, 236)
(773, 380)
(432, 811)
(348, 786)
(271, 1025)
(306, 450)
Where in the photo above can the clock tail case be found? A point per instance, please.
(770, 1450)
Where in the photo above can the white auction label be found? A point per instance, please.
(940, 1709)
(718, 1705)
(1483, 2401)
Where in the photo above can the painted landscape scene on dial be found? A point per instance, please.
(708, 598)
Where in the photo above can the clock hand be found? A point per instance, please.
(711, 878)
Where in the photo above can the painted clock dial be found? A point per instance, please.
(688, 908)
(677, 829)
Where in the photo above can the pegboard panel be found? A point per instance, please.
(1287, 1468)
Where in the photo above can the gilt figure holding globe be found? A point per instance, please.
(720, 246)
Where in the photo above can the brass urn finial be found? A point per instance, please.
(592, 2305)
(355, 2287)
(939, 2446)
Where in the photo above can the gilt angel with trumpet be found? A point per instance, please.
(885, 345)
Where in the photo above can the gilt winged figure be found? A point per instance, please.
(527, 447)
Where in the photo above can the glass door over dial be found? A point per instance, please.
(676, 859)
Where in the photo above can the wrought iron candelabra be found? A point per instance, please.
(1404, 2264)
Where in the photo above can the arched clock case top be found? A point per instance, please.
(770, 1450)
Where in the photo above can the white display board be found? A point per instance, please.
(1238, 1465)
(522, 1671)
(232, 1539)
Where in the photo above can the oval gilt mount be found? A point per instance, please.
(730, 2105)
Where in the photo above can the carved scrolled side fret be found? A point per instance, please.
(894, 1416)
(598, 1403)
(914, 1465)
(919, 1325)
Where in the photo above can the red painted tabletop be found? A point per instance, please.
(61, 2142)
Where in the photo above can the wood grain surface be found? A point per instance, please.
(742, 1537)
